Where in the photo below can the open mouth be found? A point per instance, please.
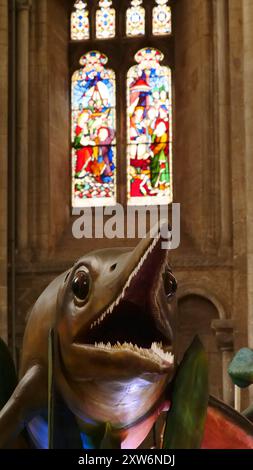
(130, 328)
(131, 323)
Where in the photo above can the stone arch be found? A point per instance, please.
(185, 290)
(197, 310)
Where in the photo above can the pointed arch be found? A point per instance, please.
(149, 130)
(93, 133)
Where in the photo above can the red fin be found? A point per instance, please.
(226, 428)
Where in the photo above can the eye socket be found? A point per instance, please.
(170, 284)
(81, 285)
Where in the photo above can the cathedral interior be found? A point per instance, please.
(206, 55)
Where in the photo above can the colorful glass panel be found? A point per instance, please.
(161, 18)
(135, 19)
(149, 136)
(105, 20)
(93, 132)
(80, 26)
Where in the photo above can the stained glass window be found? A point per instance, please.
(149, 136)
(135, 21)
(161, 18)
(93, 132)
(105, 20)
(147, 122)
(80, 27)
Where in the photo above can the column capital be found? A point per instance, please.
(224, 332)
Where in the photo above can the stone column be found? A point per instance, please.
(23, 13)
(221, 43)
(224, 332)
(248, 113)
(3, 167)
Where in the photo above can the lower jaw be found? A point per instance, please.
(122, 403)
(88, 362)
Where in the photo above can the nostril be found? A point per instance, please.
(113, 267)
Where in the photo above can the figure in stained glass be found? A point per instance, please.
(149, 130)
(93, 132)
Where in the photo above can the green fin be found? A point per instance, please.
(241, 368)
(8, 377)
(185, 421)
(110, 440)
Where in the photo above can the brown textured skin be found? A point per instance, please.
(116, 386)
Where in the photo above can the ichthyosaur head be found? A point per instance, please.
(116, 314)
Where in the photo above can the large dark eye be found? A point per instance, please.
(81, 285)
(170, 283)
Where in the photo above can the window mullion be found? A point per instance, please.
(121, 134)
(93, 8)
(149, 11)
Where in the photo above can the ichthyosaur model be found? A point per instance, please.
(112, 323)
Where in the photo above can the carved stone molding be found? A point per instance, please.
(224, 332)
(193, 289)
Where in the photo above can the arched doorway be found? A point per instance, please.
(195, 315)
